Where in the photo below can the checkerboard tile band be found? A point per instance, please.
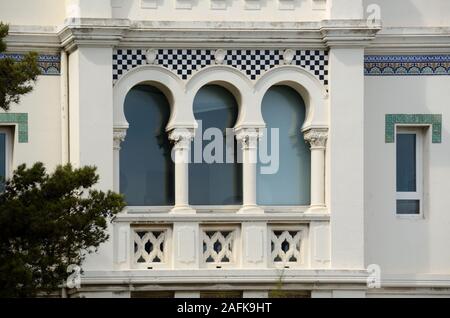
(184, 61)
(253, 62)
(315, 61)
(125, 60)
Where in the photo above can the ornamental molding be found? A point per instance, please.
(96, 32)
(411, 40)
(317, 138)
(349, 33)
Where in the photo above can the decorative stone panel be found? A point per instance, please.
(434, 120)
(218, 246)
(287, 246)
(150, 247)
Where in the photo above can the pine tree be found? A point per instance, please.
(16, 77)
(47, 223)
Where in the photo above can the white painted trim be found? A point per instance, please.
(418, 194)
(281, 217)
(227, 276)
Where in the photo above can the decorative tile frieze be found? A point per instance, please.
(49, 64)
(406, 65)
(434, 120)
(21, 119)
(252, 62)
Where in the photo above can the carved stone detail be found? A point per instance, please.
(219, 56)
(119, 137)
(182, 138)
(288, 56)
(248, 137)
(317, 137)
(151, 55)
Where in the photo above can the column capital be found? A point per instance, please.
(248, 136)
(119, 137)
(316, 137)
(181, 137)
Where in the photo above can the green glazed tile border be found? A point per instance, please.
(435, 120)
(21, 119)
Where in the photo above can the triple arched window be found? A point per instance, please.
(215, 176)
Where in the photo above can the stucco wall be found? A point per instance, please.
(32, 12)
(402, 245)
(413, 13)
(44, 124)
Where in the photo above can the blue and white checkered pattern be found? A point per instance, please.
(185, 61)
(252, 62)
(315, 61)
(125, 60)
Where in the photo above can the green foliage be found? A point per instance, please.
(47, 222)
(15, 77)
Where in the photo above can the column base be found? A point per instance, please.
(251, 209)
(186, 209)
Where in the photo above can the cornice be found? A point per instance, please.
(411, 40)
(42, 39)
(224, 34)
(349, 33)
(318, 35)
(92, 32)
(200, 276)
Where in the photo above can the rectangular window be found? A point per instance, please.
(409, 171)
(5, 156)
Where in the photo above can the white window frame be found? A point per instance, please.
(8, 131)
(418, 194)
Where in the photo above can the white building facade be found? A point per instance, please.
(359, 208)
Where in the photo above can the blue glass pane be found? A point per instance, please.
(406, 163)
(215, 183)
(2, 161)
(408, 207)
(146, 166)
(284, 109)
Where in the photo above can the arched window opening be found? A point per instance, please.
(216, 183)
(284, 109)
(146, 167)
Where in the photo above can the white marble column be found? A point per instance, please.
(248, 137)
(119, 137)
(182, 139)
(317, 138)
